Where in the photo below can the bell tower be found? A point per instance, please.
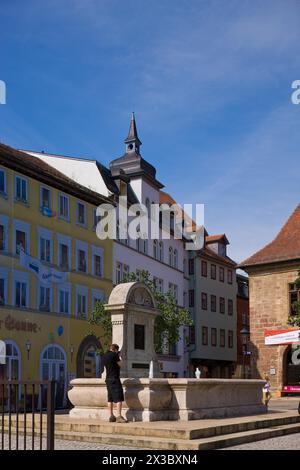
(132, 141)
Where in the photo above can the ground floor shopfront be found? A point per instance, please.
(41, 346)
(210, 368)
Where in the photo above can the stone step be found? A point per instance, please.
(154, 443)
(168, 430)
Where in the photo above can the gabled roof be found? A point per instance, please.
(217, 238)
(213, 256)
(34, 167)
(285, 247)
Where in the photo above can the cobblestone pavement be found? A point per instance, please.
(290, 442)
(62, 445)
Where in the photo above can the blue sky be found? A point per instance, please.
(209, 81)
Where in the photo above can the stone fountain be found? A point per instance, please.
(133, 312)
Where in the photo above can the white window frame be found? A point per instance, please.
(41, 199)
(67, 218)
(84, 223)
(4, 221)
(64, 240)
(39, 297)
(4, 276)
(66, 287)
(155, 249)
(22, 227)
(83, 246)
(175, 258)
(4, 192)
(21, 276)
(98, 251)
(21, 178)
(161, 251)
(46, 235)
(84, 292)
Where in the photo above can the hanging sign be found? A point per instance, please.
(276, 337)
(2, 352)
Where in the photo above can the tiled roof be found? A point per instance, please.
(285, 247)
(207, 252)
(37, 168)
(216, 238)
(165, 198)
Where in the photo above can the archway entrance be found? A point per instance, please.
(291, 365)
(88, 359)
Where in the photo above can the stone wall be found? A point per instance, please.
(269, 309)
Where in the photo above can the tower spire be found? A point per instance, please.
(132, 141)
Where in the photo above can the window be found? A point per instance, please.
(159, 284)
(21, 189)
(64, 256)
(118, 273)
(204, 268)
(138, 274)
(125, 270)
(171, 256)
(213, 303)
(221, 274)
(222, 338)
(97, 265)
(213, 336)
(230, 338)
(191, 298)
(222, 305)
(20, 241)
(204, 301)
(97, 296)
(20, 294)
(45, 250)
(185, 300)
(81, 213)
(294, 295)
(173, 288)
(175, 260)
(81, 261)
(161, 251)
(192, 334)
(229, 276)
(191, 266)
(96, 218)
(63, 300)
(2, 291)
(45, 198)
(185, 268)
(45, 299)
(204, 335)
(230, 307)
(82, 256)
(213, 271)
(64, 207)
(81, 305)
(155, 249)
(2, 238)
(2, 182)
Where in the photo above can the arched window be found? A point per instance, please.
(184, 268)
(13, 361)
(175, 259)
(148, 206)
(54, 366)
(155, 253)
(171, 256)
(161, 251)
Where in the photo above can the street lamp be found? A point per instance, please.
(28, 347)
(244, 333)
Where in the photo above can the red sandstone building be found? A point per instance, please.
(272, 274)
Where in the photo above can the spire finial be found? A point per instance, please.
(132, 141)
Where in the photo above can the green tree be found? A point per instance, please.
(167, 326)
(294, 319)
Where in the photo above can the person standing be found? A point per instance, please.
(266, 390)
(112, 363)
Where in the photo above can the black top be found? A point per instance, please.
(110, 362)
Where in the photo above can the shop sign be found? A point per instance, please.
(10, 323)
(276, 337)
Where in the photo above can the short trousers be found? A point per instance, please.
(114, 390)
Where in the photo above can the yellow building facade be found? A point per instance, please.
(53, 269)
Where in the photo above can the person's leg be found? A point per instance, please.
(110, 406)
(119, 408)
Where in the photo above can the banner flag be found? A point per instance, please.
(45, 275)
